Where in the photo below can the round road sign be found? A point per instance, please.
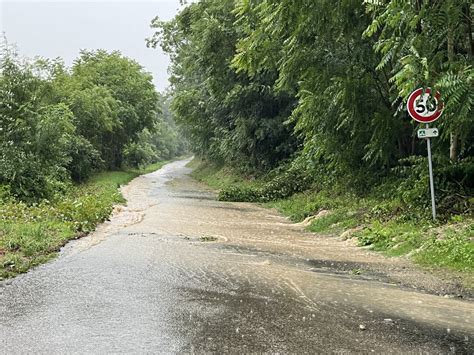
(424, 107)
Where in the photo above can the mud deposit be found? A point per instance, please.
(176, 271)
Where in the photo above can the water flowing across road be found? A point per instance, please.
(177, 271)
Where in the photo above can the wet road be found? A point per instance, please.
(178, 272)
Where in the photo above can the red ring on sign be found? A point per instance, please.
(415, 115)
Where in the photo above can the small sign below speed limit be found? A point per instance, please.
(428, 133)
(424, 107)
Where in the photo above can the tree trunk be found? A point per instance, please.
(467, 15)
(453, 148)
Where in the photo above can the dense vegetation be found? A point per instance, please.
(60, 125)
(308, 96)
(320, 86)
(59, 128)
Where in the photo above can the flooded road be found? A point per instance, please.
(177, 272)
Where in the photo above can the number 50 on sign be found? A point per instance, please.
(424, 107)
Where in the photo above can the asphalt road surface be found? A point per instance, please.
(177, 272)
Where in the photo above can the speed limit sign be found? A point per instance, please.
(424, 107)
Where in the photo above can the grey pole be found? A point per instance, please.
(430, 165)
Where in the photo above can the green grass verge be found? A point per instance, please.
(378, 223)
(221, 177)
(33, 234)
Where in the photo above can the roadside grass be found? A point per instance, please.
(220, 177)
(451, 246)
(33, 234)
(152, 167)
(377, 222)
(447, 245)
(344, 211)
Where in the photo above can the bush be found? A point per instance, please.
(453, 185)
(30, 179)
(34, 164)
(5, 194)
(285, 183)
(85, 159)
(239, 194)
(139, 154)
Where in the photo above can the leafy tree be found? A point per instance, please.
(161, 142)
(113, 99)
(343, 113)
(323, 84)
(430, 44)
(229, 117)
(35, 134)
(58, 124)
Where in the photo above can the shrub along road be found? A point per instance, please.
(177, 271)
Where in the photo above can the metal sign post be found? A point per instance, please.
(430, 166)
(422, 109)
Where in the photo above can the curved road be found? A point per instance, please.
(178, 272)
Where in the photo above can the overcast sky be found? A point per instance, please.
(61, 28)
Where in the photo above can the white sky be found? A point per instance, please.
(61, 28)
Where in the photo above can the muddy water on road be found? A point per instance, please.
(176, 271)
